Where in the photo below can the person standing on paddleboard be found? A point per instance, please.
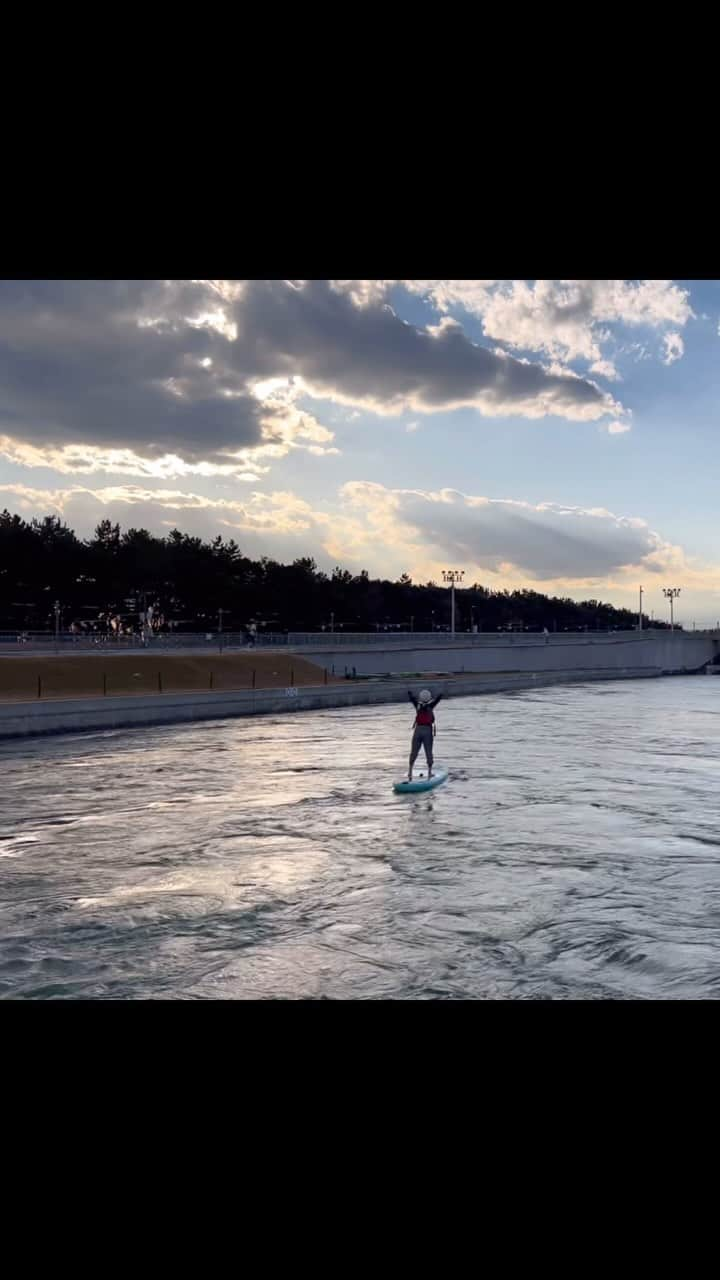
(423, 729)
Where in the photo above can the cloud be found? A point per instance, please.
(565, 319)
(378, 525)
(365, 355)
(136, 373)
(502, 543)
(123, 363)
(364, 293)
(617, 428)
(268, 514)
(674, 348)
(411, 426)
(540, 542)
(165, 377)
(605, 369)
(89, 460)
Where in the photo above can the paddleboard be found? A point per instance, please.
(421, 783)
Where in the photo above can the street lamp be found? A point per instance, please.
(640, 613)
(452, 576)
(56, 608)
(670, 593)
(332, 622)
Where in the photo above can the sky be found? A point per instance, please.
(559, 435)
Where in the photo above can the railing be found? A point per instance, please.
(77, 643)
(461, 639)
(74, 642)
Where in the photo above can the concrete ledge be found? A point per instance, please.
(24, 719)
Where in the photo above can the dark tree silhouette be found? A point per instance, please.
(188, 581)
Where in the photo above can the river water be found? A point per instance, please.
(573, 853)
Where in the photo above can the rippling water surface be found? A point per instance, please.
(574, 852)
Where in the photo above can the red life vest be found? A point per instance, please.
(424, 716)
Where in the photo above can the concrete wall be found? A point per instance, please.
(651, 651)
(23, 719)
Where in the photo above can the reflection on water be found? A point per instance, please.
(575, 852)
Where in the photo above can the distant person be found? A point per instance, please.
(423, 728)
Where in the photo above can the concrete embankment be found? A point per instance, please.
(70, 715)
(651, 651)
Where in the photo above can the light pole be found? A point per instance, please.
(640, 613)
(332, 622)
(56, 607)
(452, 576)
(671, 593)
(412, 620)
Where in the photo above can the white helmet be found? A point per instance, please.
(424, 695)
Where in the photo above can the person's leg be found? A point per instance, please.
(428, 745)
(414, 751)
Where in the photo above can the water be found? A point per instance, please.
(574, 852)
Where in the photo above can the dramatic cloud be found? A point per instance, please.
(164, 377)
(96, 369)
(380, 526)
(367, 355)
(542, 542)
(119, 363)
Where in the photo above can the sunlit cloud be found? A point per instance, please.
(501, 543)
(566, 319)
(500, 536)
(88, 460)
(276, 512)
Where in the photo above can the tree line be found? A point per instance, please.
(49, 577)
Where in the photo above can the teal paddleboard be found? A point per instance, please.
(421, 783)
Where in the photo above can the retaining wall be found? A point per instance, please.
(23, 719)
(649, 651)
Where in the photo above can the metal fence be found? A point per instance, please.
(67, 642)
(461, 639)
(32, 641)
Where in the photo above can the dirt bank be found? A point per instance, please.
(91, 675)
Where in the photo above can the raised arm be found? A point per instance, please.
(413, 699)
(435, 701)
